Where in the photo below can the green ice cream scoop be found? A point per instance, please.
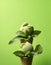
(26, 47)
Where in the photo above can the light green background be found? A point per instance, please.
(12, 14)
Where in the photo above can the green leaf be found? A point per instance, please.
(32, 53)
(36, 32)
(38, 49)
(21, 34)
(19, 53)
(15, 39)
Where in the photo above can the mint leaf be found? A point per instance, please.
(35, 33)
(21, 34)
(38, 49)
(15, 39)
(19, 53)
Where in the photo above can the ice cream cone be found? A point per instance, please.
(26, 60)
